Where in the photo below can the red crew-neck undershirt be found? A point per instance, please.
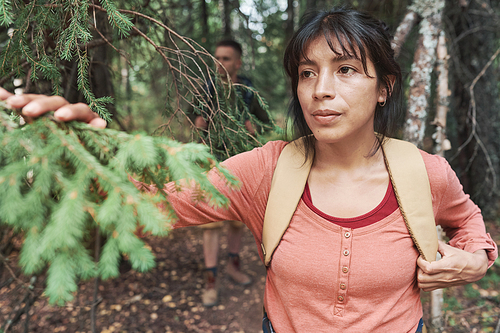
(388, 205)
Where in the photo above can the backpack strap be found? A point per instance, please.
(287, 186)
(408, 176)
(246, 93)
(411, 185)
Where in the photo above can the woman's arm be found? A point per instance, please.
(457, 267)
(254, 170)
(470, 250)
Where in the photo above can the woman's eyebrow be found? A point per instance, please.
(345, 56)
(306, 62)
(336, 58)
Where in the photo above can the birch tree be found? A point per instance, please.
(425, 58)
(430, 14)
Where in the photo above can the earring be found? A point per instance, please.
(382, 104)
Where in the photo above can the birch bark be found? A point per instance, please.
(422, 67)
(430, 46)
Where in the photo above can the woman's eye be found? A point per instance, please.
(306, 74)
(346, 70)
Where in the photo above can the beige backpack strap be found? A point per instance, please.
(408, 175)
(287, 186)
(413, 192)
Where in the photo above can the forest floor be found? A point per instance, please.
(167, 299)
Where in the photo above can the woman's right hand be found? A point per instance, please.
(32, 105)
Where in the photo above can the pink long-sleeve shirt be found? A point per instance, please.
(327, 278)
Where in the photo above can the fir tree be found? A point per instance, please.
(58, 182)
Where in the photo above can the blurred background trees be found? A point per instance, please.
(472, 32)
(127, 67)
(132, 70)
(143, 64)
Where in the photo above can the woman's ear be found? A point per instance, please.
(384, 93)
(392, 79)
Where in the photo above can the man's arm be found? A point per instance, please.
(199, 122)
(258, 111)
(249, 127)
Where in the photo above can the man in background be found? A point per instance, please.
(228, 53)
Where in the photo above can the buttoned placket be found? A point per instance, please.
(344, 268)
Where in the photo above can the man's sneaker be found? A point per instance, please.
(233, 270)
(209, 297)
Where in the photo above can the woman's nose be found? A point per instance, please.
(324, 87)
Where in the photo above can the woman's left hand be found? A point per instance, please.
(456, 267)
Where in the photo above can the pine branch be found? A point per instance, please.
(6, 17)
(58, 182)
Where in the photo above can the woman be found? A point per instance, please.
(346, 85)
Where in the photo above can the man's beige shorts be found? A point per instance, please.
(215, 225)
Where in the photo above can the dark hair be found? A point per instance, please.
(231, 43)
(356, 32)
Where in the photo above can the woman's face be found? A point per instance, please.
(337, 97)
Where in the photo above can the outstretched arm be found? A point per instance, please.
(36, 105)
(456, 267)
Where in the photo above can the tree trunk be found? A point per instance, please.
(410, 20)
(204, 23)
(226, 4)
(420, 93)
(442, 144)
(311, 4)
(423, 64)
(100, 80)
(290, 21)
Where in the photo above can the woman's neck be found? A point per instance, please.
(355, 172)
(353, 155)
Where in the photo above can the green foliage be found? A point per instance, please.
(492, 277)
(50, 37)
(116, 19)
(59, 182)
(451, 303)
(471, 292)
(44, 35)
(77, 31)
(6, 12)
(227, 111)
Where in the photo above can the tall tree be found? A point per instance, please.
(290, 20)
(204, 22)
(425, 58)
(226, 10)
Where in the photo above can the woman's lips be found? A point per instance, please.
(325, 116)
